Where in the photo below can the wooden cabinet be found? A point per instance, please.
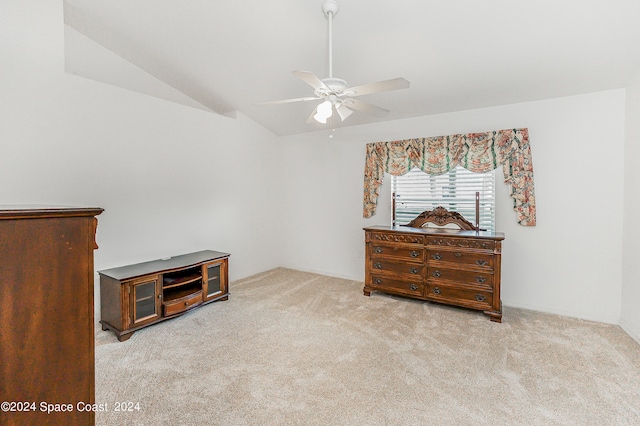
(456, 267)
(135, 296)
(46, 314)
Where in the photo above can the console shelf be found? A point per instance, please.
(136, 296)
(179, 282)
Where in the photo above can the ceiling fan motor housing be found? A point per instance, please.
(335, 85)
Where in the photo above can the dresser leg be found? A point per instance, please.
(367, 291)
(494, 316)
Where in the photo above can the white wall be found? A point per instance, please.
(172, 179)
(630, 320)
(569, 264)
(68, 140)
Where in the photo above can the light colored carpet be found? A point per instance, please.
(294, 348)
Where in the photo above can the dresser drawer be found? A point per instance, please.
(412, 254)
(470, 243)
(182, 304)
(461, 257)
(393, 237)
(463, 297)
(397, 286)
(471, 278)
(387, 266)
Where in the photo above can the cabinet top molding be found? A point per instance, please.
(442, 232)
(37, 211)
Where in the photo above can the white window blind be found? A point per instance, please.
(417, 191)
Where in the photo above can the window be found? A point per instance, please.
(417, 191)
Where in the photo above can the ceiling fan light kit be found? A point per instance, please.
(334, 92)
(323, 111)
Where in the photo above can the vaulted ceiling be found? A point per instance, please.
(226, 56)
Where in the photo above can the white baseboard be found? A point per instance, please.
(327, 273)
(633, 333)
(564, 313)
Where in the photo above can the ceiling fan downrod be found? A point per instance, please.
(330, 9)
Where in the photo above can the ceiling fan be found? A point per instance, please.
(334, 92)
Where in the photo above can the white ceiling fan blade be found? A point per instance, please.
(311, 79)
(343, 111)
(287, 101)
(365, 107)
(380, 86)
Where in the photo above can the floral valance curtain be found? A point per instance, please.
(477, 152)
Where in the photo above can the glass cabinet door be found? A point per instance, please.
(215, 274)
(144, 297)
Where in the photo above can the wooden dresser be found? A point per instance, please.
(456, 267)
(46, 315)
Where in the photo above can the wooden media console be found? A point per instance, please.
(136, 296)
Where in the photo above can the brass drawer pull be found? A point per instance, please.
(414, 270)
(436, 274)
(414, 253)
(481, 262)
(377, 250)
(413, 287)
(481, 280)
(458, 254)
(377, 265)
(436, 256)
(437, 290)
(378, 281)
(480, 298)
